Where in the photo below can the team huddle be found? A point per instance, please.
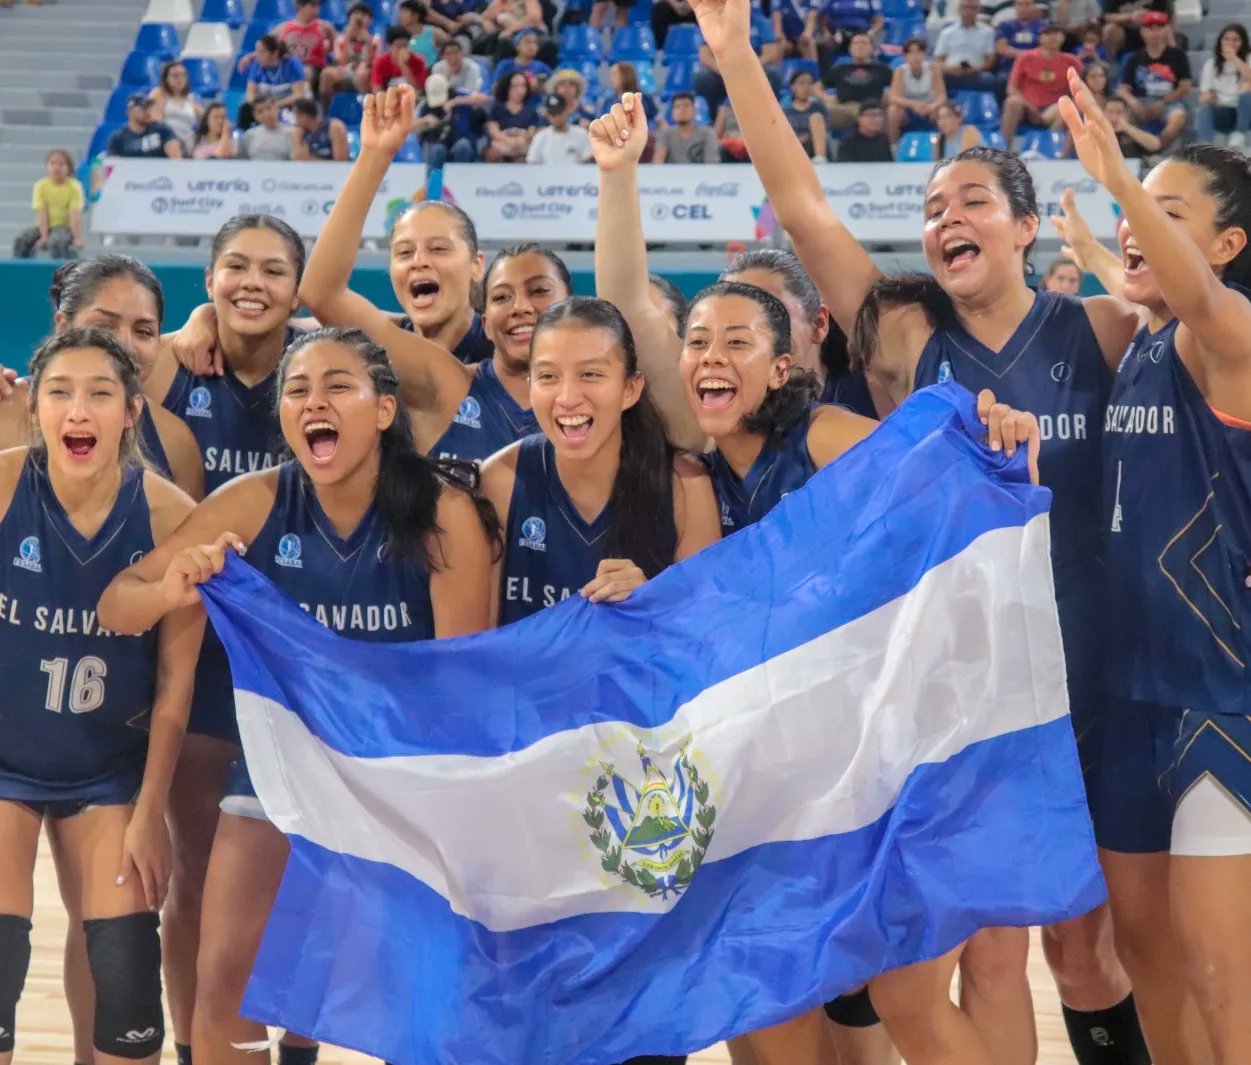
(503, 445)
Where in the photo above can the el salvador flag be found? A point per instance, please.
(833, 744)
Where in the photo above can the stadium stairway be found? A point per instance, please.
(58, 63)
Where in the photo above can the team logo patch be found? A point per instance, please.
(1061, 372)
(944, 372)
(198, 403)
(727, 519)
(653, 836)
(469, 413)
(28, 555)
(289, 551)
(534, 534)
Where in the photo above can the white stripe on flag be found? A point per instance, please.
(815, 742)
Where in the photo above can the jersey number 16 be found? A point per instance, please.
(86, 689)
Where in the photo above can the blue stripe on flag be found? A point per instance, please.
(414, 982)
(814, 565)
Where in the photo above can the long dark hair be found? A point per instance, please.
(1227, 179)
(892, 290)
(782, 408)
(673, 296)
(77, 282)
(1244, 47)
(409, 484)
(124, 363)
(530, 248)
(202, 129)
(643, 527)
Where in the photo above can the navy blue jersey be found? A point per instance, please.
(850, 390)
(473, 347)
(487, 420)
(75, 700)
(352, 584)
(550, 551)
(779, 469)
(235, 426)
(1052, 365)
(150, 443)
(1177, 511)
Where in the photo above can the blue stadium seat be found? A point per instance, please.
(100, 138)
(791, 66)
(589, 69)
(647, 76)
(334, 12)
(680, 75)
(994, 139)
(410, 151)
(158, 38)
(348, 108)
(275, 9)
(141, 69)
(256, 29)
(227, 11)
(580, 42)
(632, 42)
(703, 117)
(980, 109)
(901, 9)
(916, 147)
(488, 72)
(900, 30)
(850, 14)
(682, 41)
(233, 99)
(203, 76)
(640, 14)
(1049, 143)
(115, 110)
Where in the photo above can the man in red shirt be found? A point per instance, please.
(1038, 80)
(397, 64)
(308, 37)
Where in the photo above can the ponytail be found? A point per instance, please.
(406, 495)
(894, 290)
(643, 527)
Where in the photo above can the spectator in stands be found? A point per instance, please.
(316, 136)
(458, 18)
(511, 120)
(354, 52)
(730, 135)
(1080, 19)
(526, 60)
(708, 82)
(1098, 79)
(444, 128)
(1122, 23)
(571, 87)
(268, 139)
(685, 141)
(841, 20)
(463, 75)
(57, 200)
(1062, 275)
(413, 15)
(213, 131)
(1156, 80)
(666, 13)
(867, 143)
(274, 74)
(309, 38)
(855, 83)
(503, 20)
(1090, 48)
(1018, 35)
(795, 23)
(965, 51)
(1135, 142)
(953, 136)
(397, 64)
(623, 78)
(560, 142)
(916, 91)
(1039, 79)
(807, 115)
(604, 10)
(141, 137)
(174, 104)
(1225, 89)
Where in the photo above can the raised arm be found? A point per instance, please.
(617, 141)
(840, 267)
(1081, 246)
(430, 376)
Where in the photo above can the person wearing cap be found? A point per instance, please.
(526, 61)
(571, 85)
(1122, 23)
(141, 137)
(559, 143)
(444, 124)
(1156, 81)
(1039, 79)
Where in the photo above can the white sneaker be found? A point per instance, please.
(1237, 140)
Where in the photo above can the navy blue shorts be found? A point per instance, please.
(240, 798)
(213, 702)
(62, 801)
(792, 25)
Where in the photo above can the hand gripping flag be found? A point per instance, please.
(836, 743)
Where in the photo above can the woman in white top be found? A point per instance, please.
(916, 91)
(1225, 89)
(174, 104)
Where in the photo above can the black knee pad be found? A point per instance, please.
(125, 958)
(853, 1010)
(14, 961)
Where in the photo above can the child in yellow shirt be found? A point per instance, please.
(57, 201)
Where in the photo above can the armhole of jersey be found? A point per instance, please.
(1229, 419)
(7, 504)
